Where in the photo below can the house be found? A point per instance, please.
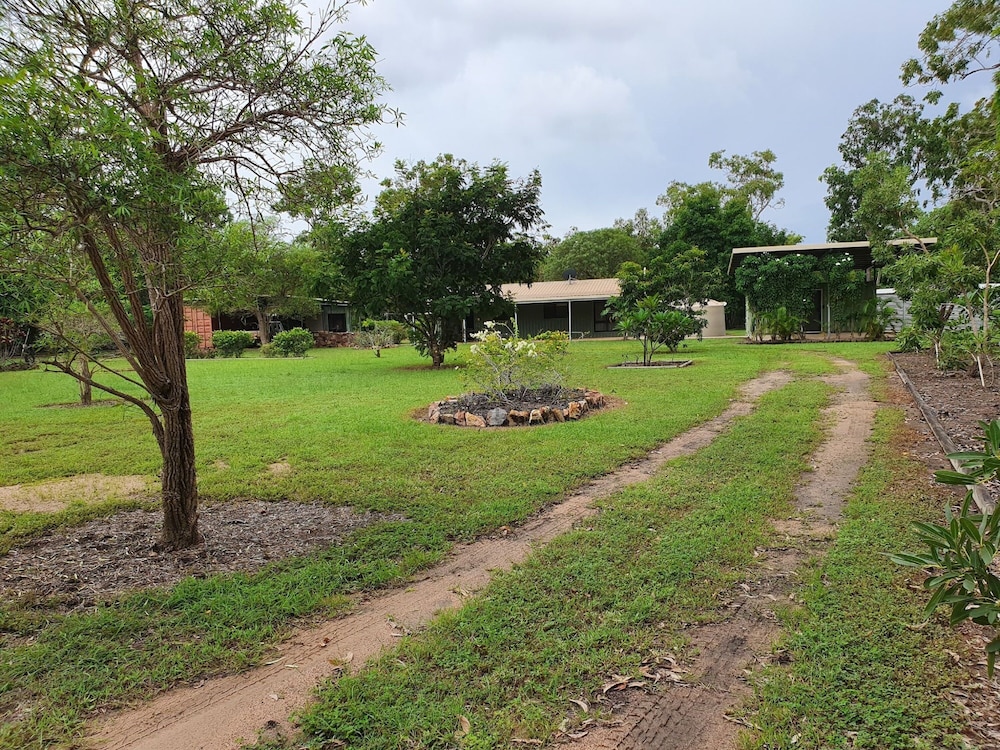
(330, 325)
(820, 318)
(577, 307)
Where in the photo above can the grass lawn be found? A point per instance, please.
(342, 420)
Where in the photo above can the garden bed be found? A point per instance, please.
(526, 408)
(659, 363)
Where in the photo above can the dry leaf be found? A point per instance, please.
(466, 727)
(582, 704)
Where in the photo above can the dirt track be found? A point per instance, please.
(693, 714)
(221, 713)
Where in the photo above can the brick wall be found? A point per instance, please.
(200, 322)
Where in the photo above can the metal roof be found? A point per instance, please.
(861, 251)
(562, 291)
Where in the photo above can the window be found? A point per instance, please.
(602, 322)
(337, 322)
(555, 310)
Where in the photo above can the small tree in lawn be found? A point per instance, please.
(654, 324)
(445, 236)
(123, 125)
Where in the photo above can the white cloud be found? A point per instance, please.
(614, 100)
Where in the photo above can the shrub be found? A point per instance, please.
(506, 368)
(268, 351)
(192, 342)
(960, 553)
(376, 335)
(779, 324)
(231, 343)
(293, 343)
(909, 339)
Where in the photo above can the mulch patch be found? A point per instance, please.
(74, 568)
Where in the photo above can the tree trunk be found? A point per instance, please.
(179, 482)
(176, 439)
(263, 326)
(437, 356)
(86, 391)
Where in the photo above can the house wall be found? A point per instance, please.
(199, 322)
(536, 318)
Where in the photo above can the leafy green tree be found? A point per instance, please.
(265, 276)
(957, 43)
(753, 181)
(895, 130)
(444, 237)
(652, 322)
(123, 124)
(594, 254)
(701, 216)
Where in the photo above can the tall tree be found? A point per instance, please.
(121, 125)
(593, 254)
(444, 237)
(753, 180)
(896, 130)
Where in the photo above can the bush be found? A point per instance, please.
(960, 553)
(268, 351)
(293, 343)
(506, 368)
(231, 343)
(391, 329)
(909, 339)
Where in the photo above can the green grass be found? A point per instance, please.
(591, 603)
(341, 419)
(860, 676)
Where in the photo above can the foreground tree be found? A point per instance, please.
(121, 126)
(445, 236)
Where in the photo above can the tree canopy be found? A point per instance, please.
(266, 276)
(444, 236)
(593, 254)
(123, 125)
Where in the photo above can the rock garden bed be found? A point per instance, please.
(528, 408)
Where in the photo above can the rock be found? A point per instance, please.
(474, 420)
(460, 418)
(535, 416)
(574, 411)
(546, 413)
(434, 413)
(518, 417)
(446, 418)
(584, 407)
(595, 399)
(496, 417)
(558, 415)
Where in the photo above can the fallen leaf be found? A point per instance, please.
(582, 704)
(465, 727)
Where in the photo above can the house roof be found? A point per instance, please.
(561, 291)
(861, 251)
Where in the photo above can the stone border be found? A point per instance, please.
(499, 417)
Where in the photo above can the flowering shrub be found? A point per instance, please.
(505, 368)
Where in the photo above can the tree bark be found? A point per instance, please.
(178, 480)
(86, 391)
(263, 326)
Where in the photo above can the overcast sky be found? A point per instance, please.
(611, 101)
